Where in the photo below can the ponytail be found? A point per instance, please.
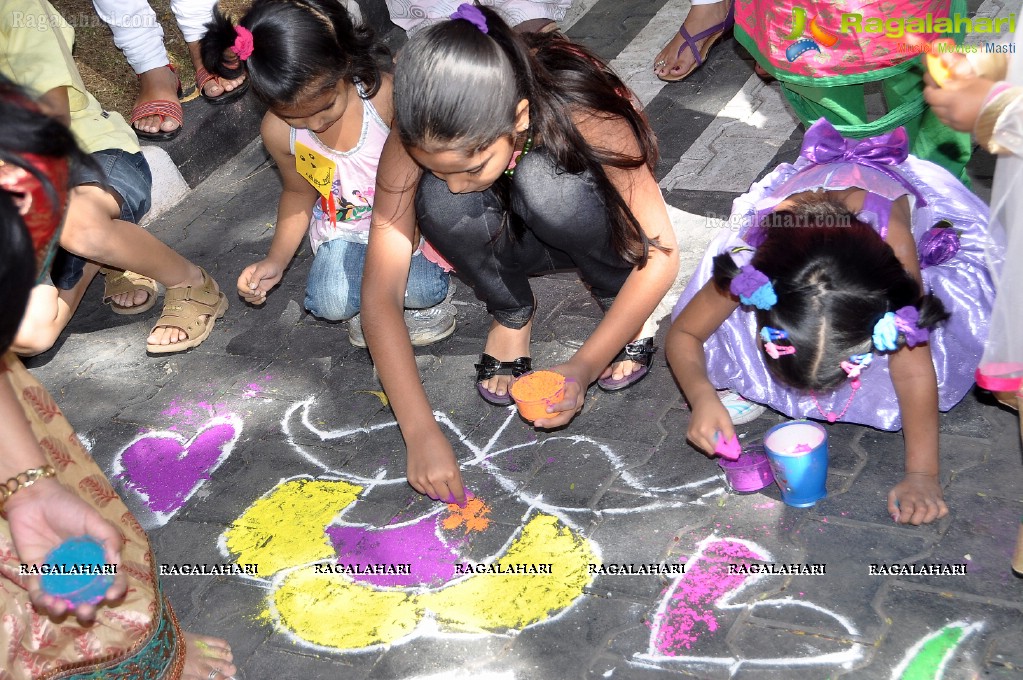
(456, 85)
(296, 45)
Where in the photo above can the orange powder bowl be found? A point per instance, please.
(533, 392)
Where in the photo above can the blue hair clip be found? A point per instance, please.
(768, 334)
(473, 15)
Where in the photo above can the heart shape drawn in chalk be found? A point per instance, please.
(165, 469)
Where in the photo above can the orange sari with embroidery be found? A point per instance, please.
(138, 638)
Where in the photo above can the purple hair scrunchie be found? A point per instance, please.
(473, 15)
(752, 287)
(906, 320)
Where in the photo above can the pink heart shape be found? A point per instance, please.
(166, 469)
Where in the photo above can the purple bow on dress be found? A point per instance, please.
(823, 144)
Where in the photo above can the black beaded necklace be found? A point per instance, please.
(510, 171)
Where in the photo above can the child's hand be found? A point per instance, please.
(709, 421)
(576, 381)
(959, 102)
(257, 279)
(433, 471)
(917, 499)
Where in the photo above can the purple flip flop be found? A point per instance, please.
(488, 367)
(641, 351)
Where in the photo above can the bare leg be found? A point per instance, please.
(506, 344)
(93, 231)
(48, 313)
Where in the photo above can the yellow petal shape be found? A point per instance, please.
(493, 602)
(285, 528)
(331, 611)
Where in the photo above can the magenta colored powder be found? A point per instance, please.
(433, 562)
(164, 471)
(690, 613)
(751, 471)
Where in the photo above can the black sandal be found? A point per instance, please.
(641, 351)
(488, 367)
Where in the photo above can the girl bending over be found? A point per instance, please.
(517, 158)
(840, 299)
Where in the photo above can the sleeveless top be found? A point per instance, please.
(344, 179)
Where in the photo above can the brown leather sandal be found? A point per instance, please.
(184, 307)
(118, 283)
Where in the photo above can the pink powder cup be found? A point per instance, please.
(750, 472)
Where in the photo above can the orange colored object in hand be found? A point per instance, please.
(935, 66)
(533, 392)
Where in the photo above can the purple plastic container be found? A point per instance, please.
(749, 472)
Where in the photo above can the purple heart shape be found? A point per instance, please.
(166, 469)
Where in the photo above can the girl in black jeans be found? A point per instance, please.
(535, 159)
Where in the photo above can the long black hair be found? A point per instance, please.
(297, 44)
(457, 86)
(25, 130)
(835, 278)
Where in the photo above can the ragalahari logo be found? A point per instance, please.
(802, 45)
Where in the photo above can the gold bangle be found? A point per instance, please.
(23, 480)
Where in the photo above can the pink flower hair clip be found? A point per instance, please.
(243, 44)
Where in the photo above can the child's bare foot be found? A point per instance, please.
(158, 84)
(207, 658)
(192, 304)
(505, 344)
(669, 64)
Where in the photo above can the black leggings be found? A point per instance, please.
(566, 227)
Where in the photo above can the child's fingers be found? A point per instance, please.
(893, 505)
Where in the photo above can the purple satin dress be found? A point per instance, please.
(958, 274)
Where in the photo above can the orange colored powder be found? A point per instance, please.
(537, 385)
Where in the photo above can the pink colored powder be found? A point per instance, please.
(690, 613)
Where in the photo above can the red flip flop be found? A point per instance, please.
(203, 77)
(164, 109)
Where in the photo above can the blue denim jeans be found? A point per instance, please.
(127, 175)
(334, 289)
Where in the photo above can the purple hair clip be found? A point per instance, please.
(473, 15)
(752, 287)
(906, 321)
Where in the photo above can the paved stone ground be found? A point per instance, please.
(275, 428)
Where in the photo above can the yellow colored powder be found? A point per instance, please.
(285, 528)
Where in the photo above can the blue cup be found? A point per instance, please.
(798, 454)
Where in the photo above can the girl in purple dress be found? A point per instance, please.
(858, 268)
